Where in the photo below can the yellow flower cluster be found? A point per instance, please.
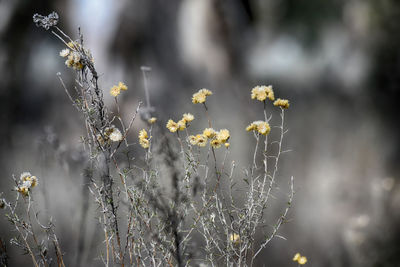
(116, 89)
(262, 92)
(283, 103)
(28, 181)
(262, 127)
(181, 124)
(144, 139)
(300, 259)
(200, 96)
(152, 120)
(75, 55)
(234, 238)
(216, 138)
(110, 134)
(73, 60)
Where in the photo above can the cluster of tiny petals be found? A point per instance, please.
(144, 139)
(110, 134)
(181, 124)
(73, 54)
(262, 92)
(300, 259)
(262, 127)
(209, 132)
(188, 117)
(27, 182)
(199, 140)
(201, 96)
(152, 120)
(216, 138)
(283, 103)
(116, 89)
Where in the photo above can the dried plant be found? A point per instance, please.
(198, 218)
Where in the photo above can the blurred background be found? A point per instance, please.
(338, 62)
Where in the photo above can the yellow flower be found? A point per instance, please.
(209, 132)
(64, 52)
(296, 257)
(283, 103)
(143, 139)
(251, 127)
(181, 125)
(115, 91)
(216, 143)
(145, 143)
(300, 259)
(152, 120)
(187, 117)
(201, 140)
(122, 86)
(193, 140)
(24, 190)
(143, 134)
(223, 135)
(34, 181)
(261, 127)
(200, 96)
(262, 92)
(172, 126)
(234, 238)
(227, 145)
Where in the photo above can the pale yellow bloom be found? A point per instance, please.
(116, 135)
(234, 238)
(300, 259)
(262, 92)
(227, 145)
(209, 132)
(122, 86)
(251, 127)
(145, 143)
(216, 143)
(65, 52)
(24, 190)
(34, 181)
(143, 139)
(193, 140)
(172, 126)
(152, 120)
(262, 127)
(223, 135)
(181, 125)
(296, 257)
(143, 134)
(201, 140)
(187, 117)
(200, 96)
(283, 103)
(115, 91)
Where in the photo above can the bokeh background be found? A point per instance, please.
(337, 61)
